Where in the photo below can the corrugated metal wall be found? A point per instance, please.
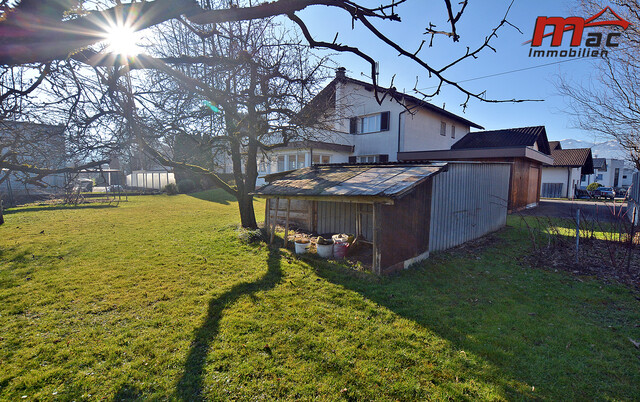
(634, 193)
(340, 217)
(468, 201)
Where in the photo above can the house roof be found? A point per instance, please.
(327, 97)
(506, 138)
(580, 157)
(599, 163)
(375, 181)
(555, 145)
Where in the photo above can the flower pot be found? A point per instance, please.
(325, 250)
(340, 249)
(302, 248)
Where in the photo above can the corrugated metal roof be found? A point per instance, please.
(509, 137)
(350, 180)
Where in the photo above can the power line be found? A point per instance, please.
(510, 72)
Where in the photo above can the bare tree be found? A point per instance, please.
(62, 34)
(235, 96)
(609, 103)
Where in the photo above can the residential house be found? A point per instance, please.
(609, 173)
(526, 148)
(364, 131)
(561, 178)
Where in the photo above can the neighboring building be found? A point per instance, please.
(42, 145)
(526, 148)
(363, 131)
(561, 178)
(405, 210)
(609, 173)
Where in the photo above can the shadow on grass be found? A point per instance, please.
(533, 328)
(56, 208)
(189, 386)
(216, 195)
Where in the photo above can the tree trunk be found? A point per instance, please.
(247, 214)
(1, 211)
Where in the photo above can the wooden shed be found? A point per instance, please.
(526, 148)
(404, 210)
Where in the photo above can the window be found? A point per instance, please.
(369, 124)
(280, 163)
(301, 160)
(443, 128)
(368, 159)
(624, 176)
(583, 177)
(453, 131)
(317, 159)
(599, 177)
(262, 166)
(296, 161)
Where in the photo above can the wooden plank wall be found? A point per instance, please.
(300, 215)
(404, 228)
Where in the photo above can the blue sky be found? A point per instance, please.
(479, 19)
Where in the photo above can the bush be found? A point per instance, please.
(186, 186)
(251, 236)
(171, 189)
(593, 186)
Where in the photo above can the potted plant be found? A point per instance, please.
(324, 247)
(302, 245)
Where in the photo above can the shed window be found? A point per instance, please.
(443, 128)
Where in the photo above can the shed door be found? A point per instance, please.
(534, 185)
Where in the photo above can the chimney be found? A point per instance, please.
(341, 73)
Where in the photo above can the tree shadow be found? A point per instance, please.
(189, 387)
(17, 210)
(216, 195)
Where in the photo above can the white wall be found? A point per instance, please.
(569, 177)
(150, 179)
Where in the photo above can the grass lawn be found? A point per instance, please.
(158, 298)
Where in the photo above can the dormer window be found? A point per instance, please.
(371, 123)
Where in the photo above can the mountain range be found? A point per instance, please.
(608, 149)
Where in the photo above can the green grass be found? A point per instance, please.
(158, 299)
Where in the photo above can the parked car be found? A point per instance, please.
(115, 188)
(621, 192)
(582, 192)
(605, 192)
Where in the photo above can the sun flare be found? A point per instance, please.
(122, 40)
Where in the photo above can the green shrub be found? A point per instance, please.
(593, 186)
(186, 186)
(171, 189)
